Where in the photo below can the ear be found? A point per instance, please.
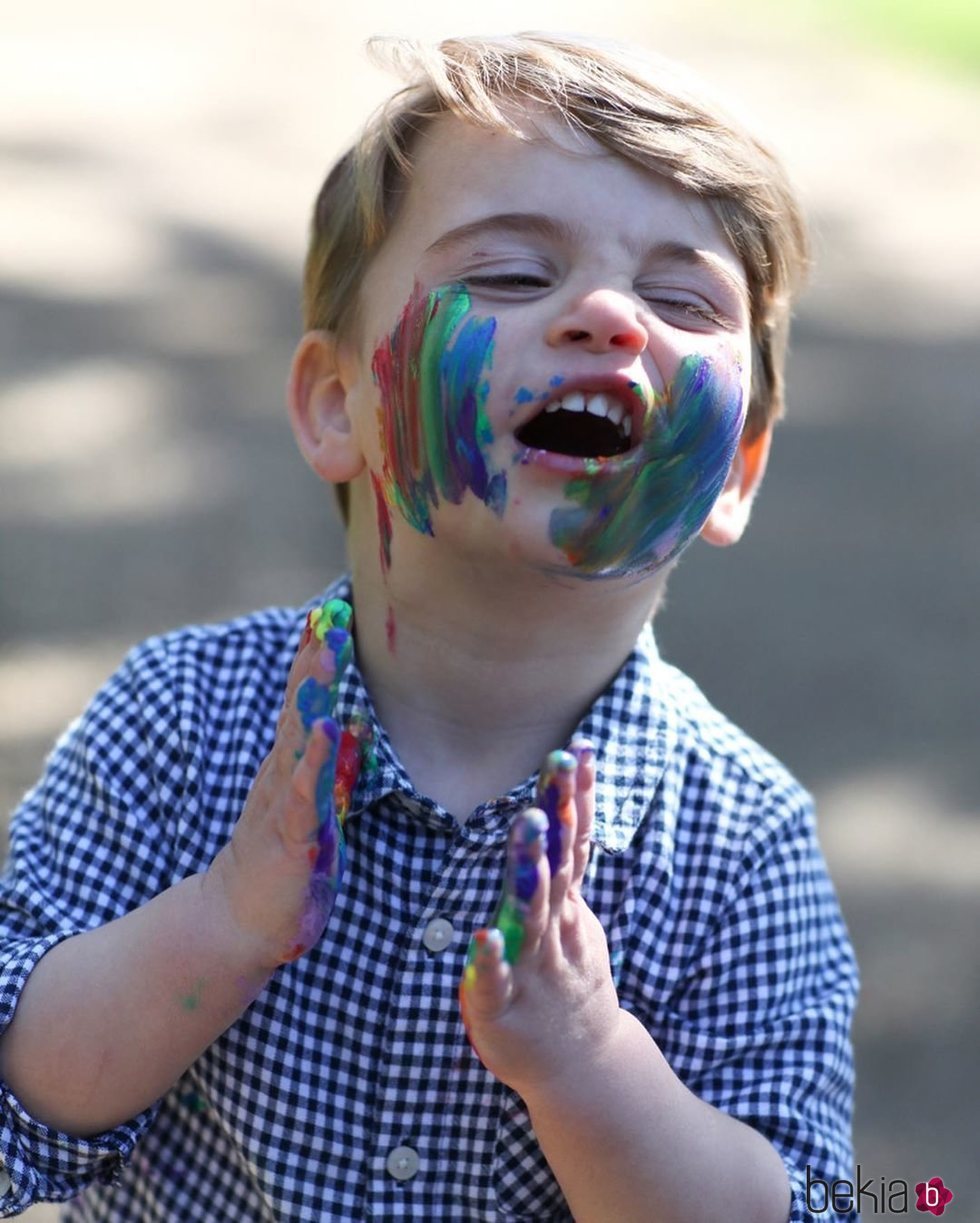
(317, 397)
(730, 514)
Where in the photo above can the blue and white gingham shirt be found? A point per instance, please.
(347, 1090)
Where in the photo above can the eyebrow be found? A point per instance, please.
(540, 225)
(534, 224)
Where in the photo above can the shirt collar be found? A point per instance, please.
(628, 723)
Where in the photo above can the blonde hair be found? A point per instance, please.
(641, 107)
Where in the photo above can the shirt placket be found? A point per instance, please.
(437, 1107)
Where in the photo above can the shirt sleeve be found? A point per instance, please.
(88, 844)
(760, 1027)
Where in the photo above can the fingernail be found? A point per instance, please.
(582, 749)
(489, 944)
(556, 776)
(560, 762)
(556, 783)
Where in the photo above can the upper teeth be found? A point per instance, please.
(598, 405)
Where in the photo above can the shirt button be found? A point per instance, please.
(438, 934)
(403, 1163)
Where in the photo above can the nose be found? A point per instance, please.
(600, 321)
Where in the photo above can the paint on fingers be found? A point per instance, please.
(347, 748)
(331, 626)
(331, 855)
(313, 702)
(527, 843)
(349, 755)
(486, 951)
(315, 698)
(324, 796)
(555, 796)
(334, 613)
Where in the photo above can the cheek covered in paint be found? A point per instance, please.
(431, 372)
(632, 518)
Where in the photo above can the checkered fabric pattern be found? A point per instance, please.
(725, 936)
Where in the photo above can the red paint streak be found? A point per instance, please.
(348, 769)
(294, 953)
(390, 630)
(384, 522)
(397, 376)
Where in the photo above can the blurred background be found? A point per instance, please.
(157, 166)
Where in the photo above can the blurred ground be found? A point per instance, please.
(157, 165)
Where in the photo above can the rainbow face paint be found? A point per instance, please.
(633, 514)
(435, 434)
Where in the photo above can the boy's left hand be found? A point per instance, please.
(539, 1017)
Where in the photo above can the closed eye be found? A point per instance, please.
(699, 310)
(508, 280)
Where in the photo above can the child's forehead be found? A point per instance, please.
(463, 171)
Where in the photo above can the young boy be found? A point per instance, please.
(547, 296)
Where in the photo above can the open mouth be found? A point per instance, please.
(582, 425)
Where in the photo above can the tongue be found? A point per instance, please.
(577, 433)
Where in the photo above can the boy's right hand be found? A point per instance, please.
(277, 878)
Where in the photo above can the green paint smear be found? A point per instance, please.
(632, 518)
(191, 1001)
(509, 920)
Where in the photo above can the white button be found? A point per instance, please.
(403, 1163)
(5, 1181)
(438, 934)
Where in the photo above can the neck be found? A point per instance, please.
(478, 671)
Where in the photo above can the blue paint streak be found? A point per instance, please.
(464, 391)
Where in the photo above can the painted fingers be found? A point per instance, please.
(488, 980)
(326, 765)
(524, 884)
(584, 752)
(547, 855)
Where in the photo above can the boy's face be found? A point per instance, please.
(553, 355)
